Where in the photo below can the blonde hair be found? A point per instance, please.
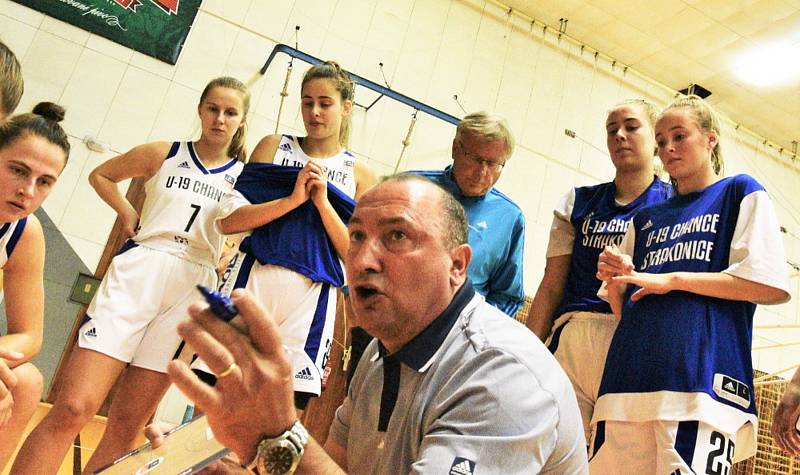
(342, 83)
(649, 109)
(486, 127)
(707, 120)
(237, 148)
(11, 83)
(652, 113)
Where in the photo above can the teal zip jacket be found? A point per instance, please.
(497, 238)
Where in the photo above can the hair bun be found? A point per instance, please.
(50, 110)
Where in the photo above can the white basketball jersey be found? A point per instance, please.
(9, 236)
(340, 167)
(182, 202)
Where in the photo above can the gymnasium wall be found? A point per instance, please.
(431, 50)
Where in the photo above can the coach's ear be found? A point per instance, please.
(460, 257)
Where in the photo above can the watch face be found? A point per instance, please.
(279, 460)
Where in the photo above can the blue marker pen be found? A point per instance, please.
(220, 304)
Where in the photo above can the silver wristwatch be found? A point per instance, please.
(281, 455)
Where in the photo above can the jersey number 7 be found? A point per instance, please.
(192, 218)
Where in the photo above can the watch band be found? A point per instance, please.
(296, 435)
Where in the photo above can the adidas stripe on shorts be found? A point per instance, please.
(304, 310)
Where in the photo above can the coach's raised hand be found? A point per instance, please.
(253, 396)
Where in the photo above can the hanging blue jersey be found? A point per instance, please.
(599, 221)
(684, 356)
(296, 240)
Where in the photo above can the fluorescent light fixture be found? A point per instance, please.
(774, 65)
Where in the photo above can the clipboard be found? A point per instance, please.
(187, 449)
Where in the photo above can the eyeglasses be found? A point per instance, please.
(477, 160)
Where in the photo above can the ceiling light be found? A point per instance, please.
(770, 66)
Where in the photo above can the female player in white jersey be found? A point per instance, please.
(130, 326)
(586, 220)
(677, 389)
(33, 152)
(280, 262)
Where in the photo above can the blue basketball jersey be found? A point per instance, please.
(684, 356)
(599, 221)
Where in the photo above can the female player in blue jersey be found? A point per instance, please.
(130, 326)
(33, 152)
(294, 197)
(586, 220)
(677, 390)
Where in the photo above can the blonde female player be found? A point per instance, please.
(33, 152)
(677, 389)
(294, 196)
(586, 220)
(11, 81)
(130, 326)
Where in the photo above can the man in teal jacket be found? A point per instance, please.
(481, 147)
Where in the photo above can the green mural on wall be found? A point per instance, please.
(156, 28)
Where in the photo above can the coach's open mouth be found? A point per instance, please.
(365, 291)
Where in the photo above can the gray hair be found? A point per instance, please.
(487, 126)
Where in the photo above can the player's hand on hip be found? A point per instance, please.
(130, 221)
(784, 430)
(255, 397)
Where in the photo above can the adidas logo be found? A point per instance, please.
(230, 179)
(462, 466)
(305, 373)
(647, 225)
(92, 332)
(184, 164)
(732, 390)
